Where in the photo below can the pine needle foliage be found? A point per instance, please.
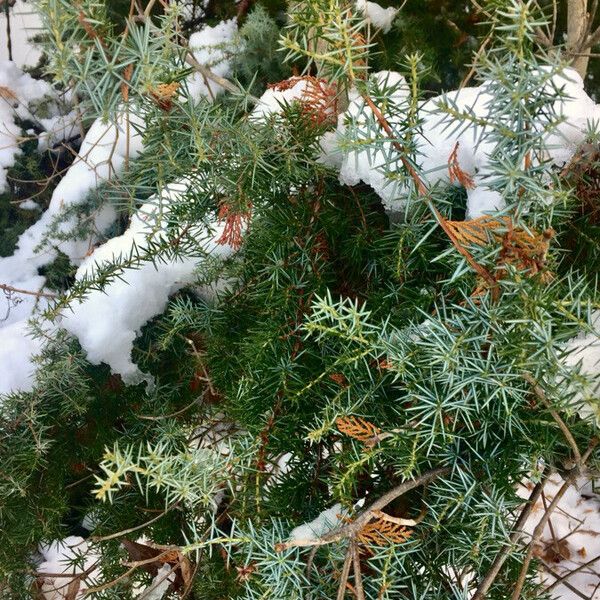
(347, 356)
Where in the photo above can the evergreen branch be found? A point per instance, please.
(423, 192)
(488, 580)
(541, 395)
(351, 530)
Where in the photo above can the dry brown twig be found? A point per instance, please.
(363, 530)
(488, 580)
(539, 529)
(352, 530)
(13, 290)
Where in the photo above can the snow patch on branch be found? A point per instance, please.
(440, 135)
(107, 321)
(379, 17)
(328, 520)
(104, 152)
(212, 47)
(19, 94)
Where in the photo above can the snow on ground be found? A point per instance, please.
(583, 353)
(570, 540)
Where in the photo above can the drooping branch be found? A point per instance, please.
(422, 191)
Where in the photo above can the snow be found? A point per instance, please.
(212, 46)
(16, 350)
(25, 23)
(274, 100)
(57, 560)
(379, 17)
(441, 133)
(107, 322)
(18, 94)
(571, 538)
(367, 165)
(159, 585)
(29, 204)
(325, 522)
(583, 353)
(102, 157)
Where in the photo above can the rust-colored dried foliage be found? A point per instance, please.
(163, 95)
(456, 173)
(235, 222)
(357, 428)
(381, 532)
(526, 250)
(339, 378)
(319, 99)
(127, 72)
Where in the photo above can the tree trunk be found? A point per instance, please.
(576, 30)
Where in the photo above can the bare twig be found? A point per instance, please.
(539, 529)
(344, 576)
(501, 557)
(358, 584)
(350, 530)
(118, 534)
(13, 290)
(565, 583)
(541, 395)
(580, 568)
(208, 74)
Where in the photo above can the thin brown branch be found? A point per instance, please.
(344, 576)
(573, 589)
(501, 557)
(358, 584)
(13, 290)
(118, 534)
(541, 395)
(350, 530)
(398, 520)
(208, 74)
(580, 568)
